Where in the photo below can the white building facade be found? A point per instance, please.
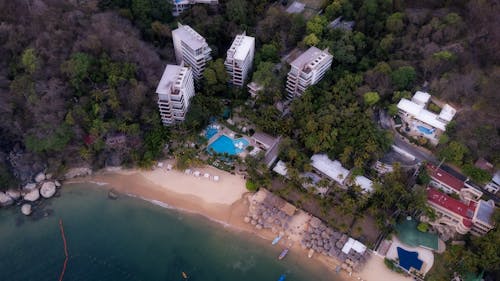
(180, 6)
(191, 49)
(306, 70)
(175, 90)
(239, 58)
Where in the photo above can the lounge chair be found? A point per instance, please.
(216, 178)
(206, 175)
(188, 171)
(169, 167)
(196, 173)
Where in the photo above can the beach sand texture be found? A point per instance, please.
(222, 201)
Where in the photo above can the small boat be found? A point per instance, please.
(282, 277)
(184, 275)
(283, 254)
(276, 240)
(310, 254)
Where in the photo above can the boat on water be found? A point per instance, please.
(282, 277)
(276, 240)
(283, 254)
(184, 275)
(310, 254)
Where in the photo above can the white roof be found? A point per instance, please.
(431, 119)
(410, 107)
(354, 245)
(332, 169)
(365, 183)
(308, 56)
(496, 177)
(421, 97)
(192, 38)
(447, 113)
(280, 168)
(244, 47)
(169, 78)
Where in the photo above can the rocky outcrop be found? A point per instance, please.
(26, 209)
(29, 186)
(40, 177)
(14, 194)
(48, 189)
(5, 200)
(78, 172)
(57, 183)
(32, 196)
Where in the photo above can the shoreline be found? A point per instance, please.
(223, 202)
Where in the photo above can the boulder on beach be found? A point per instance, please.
(32, 195)
(246, 219)
(29, 186)
(57, 183)
(14, 194)
(112, 194)
(26, 209)
(48, 176)
(5, 200)
(40, 177)
(48, 189)
(78, 172)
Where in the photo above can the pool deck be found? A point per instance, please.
(425, 255)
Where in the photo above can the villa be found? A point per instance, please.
(460, 216)
(444, 181)
(239, 58)
(180, 6)
(333, 170)
(267, 143)
(494, 185)
(422, 122)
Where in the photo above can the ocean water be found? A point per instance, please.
(131, 239)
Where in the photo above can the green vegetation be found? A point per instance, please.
(251, 186)
(476, 174)
(423, 227)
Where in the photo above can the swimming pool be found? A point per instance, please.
(409, 259)
(225, 144)
(210, 132)
(425, 130)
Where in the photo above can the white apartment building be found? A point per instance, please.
(239, 58)
(308, 69)
(191, 49)
(175, 90)
(180, 6)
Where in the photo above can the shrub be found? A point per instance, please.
(251, 186)
(249, 148)
(423, 227)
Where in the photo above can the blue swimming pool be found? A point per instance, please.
(210, 132)
(425, 130)
(225, 144)
(409, 259)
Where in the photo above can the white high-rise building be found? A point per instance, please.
(308, 69)
(174, 91)
(191, 49)
(239, 58)
(181, 5)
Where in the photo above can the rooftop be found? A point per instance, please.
(296, 8)
(355, 245)
(264, 138)
(449, 203)
(365, 183)
(281, 168)
(189, 36)
(421, 98)
(332, 169)
(169, 77)
(485, 210)
(422, 114)
(447, 113)
(241, 46)
(308, 56)
(441, 176)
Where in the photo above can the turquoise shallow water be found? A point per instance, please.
(130, 239)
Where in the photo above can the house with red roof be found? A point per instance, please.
(446, 182)
(460, 216)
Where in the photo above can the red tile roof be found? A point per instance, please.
(451, 204)
(444, 177)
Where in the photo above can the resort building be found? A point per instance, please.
(333, 170)
(364, 183)
(422, 122)
(459, 216)
(254, 89)
(175, 90)
(446, 182)
(180, 6)
(239, 58)
(306, 70)
(191, 49)
(268, 144)
(494, 185)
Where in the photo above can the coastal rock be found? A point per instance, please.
(258, 226)
(26, 209)
(112, 194)
(5, 200)
(48, 176)
(57, 183)
(29, 186)
(40, 177)
(48, 189)
(32, 195)
(78, 172)
(246, 219)
(14, 194)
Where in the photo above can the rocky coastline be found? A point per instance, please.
(42, 186)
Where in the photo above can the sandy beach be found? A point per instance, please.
(222, 201)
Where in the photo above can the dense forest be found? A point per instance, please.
(78, 79)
